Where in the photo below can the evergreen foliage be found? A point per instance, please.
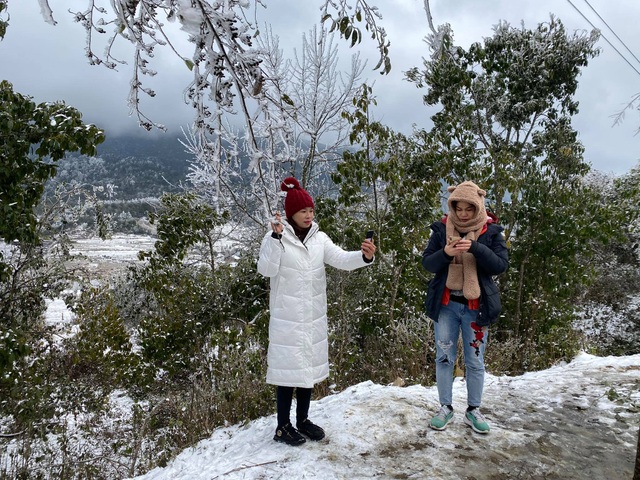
(33, 138)
(377, 312)
(609, 316)
(505, 123)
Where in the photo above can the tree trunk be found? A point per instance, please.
(636, 471)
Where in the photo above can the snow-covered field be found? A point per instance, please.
(103, 256)
(120, 248)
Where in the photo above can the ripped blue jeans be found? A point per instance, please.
(452, 319)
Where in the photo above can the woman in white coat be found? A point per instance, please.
(293, 255)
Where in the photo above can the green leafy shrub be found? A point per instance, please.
(102, 352)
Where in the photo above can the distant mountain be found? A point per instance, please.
(138, 166)
(154, 144)
(144, 166)
(140, 169)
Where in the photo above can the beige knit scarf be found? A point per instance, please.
(463, 274)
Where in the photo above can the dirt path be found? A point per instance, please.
(553, 433)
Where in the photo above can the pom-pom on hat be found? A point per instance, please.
(297, 197)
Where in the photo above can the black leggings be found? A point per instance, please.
(284, 398)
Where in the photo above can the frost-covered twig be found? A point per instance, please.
(633, 103)
(244, 467)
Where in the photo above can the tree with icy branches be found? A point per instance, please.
(297, 123)
(226, 62)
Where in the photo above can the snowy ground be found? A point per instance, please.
(121, 250)
(105, 257)
(574, 421)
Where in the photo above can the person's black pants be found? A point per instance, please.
(284, 398)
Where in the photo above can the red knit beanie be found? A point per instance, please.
(297, 197)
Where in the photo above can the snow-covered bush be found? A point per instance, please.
(611, 330)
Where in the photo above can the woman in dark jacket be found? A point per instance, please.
(465, 251)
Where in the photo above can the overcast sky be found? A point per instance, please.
(48, 63)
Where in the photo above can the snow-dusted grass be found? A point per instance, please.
(90, 444)
(611, 330)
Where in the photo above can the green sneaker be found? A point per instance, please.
(476, 421)
(442, 418)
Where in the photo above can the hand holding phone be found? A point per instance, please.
(368, 247)
(453, 240)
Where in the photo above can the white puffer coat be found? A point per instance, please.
(298, 353)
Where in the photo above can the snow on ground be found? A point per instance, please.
(120, 247)
(101, 255)
(121, 250)
(57, 312)
(104, 257)
(574, 421)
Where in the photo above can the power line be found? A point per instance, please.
(606, 39)
(612, 31)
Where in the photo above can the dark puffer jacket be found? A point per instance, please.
(492, 259)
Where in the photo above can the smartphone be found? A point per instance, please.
(453, 240)
(369, 235)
